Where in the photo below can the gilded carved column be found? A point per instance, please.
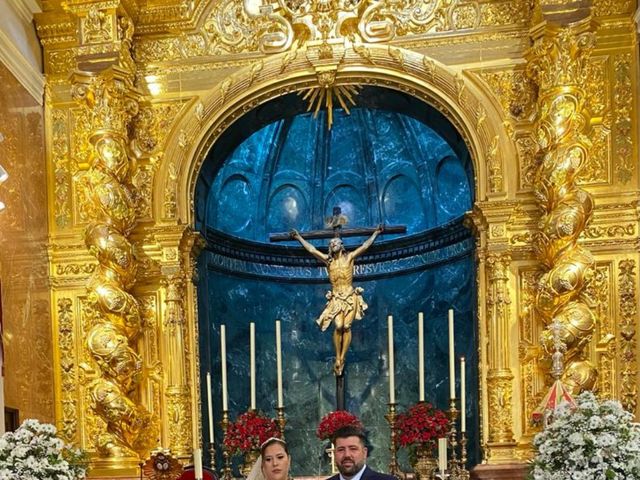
(558, 62)
(178, 392)
(181, 247)
(489, 221)
(125, 429)
(499, 375)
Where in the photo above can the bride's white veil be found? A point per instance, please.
(256, 470)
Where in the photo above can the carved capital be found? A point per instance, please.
(559, 56)
(498, 299)
(174, 314)
(110, 99)
(498, 266)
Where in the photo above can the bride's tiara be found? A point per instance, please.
(272, 439)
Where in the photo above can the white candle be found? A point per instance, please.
(252, 362)
(442, 455)
(279, 364)
(210, 407)
(452, 369)
(392, 386)
(421, 355)
(463, 396)
(197, 463)
(223, 355)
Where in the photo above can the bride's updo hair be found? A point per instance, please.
(271, 441)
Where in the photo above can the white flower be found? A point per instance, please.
(33, 452)
(576, 438)
(593, 441)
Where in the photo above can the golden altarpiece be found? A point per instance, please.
(544, 92)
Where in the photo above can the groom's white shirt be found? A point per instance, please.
(357, 476)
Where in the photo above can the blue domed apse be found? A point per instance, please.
(393, 161)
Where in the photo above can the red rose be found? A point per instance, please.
(333, 421)
(421, 424)
(248, 432)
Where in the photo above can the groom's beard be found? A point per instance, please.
(348, 467)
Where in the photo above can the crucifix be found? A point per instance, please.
(344, 302)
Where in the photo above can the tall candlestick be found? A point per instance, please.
(442, 455)
(392, 386)
(197, 463)
(421, 355)
(252, 362)
(463, 396)
(279, 364)
(452, 369)
(210, 407)
(223, 355)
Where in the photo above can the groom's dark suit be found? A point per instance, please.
(368, 474)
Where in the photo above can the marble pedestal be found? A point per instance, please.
(512, 471)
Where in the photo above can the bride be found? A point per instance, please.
(273, 462)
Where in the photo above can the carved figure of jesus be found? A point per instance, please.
(344, 303)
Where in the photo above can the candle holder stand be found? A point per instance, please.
(281, 420)
(226, 469)
(212, 456)
(457, 468)
(463, 473)
(393, 447)
(453, 439)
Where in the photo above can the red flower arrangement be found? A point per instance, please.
(421, 424)
(248, 432)
(333, 421)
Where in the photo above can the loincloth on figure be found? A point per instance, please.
(342, 303)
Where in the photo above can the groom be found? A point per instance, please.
(351, 456)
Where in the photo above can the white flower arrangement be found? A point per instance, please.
(591, 441)
(34, 452)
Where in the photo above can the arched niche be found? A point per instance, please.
(470, 112)
(383, 163)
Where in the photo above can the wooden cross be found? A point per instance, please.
(335, 229)
(342, 293)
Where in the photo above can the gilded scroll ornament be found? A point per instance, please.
(558, 62)
(115, 320)
(603, 8)
(526, 146)
(494, 166)
(60, 157)
(75, 269)
(500, 388)
(96, 26)
(497, 13)
(275, 26)
(613, 231)
(514, 90)
(623, 122)
(628, 343)
(597, 293)
(69, 371)
(170, 203)
(530, 328)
